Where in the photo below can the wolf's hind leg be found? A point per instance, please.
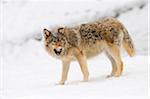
(114, 65)
(114, 51)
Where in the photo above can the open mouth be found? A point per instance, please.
(57, 51)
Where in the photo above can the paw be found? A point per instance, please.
(109, 76)
(117, 74)
(61, 83)
(114, 74)
(85, 79)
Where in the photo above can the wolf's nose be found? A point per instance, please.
(59, 49)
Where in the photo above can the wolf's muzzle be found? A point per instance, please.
(58, 51)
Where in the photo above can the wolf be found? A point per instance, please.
(86, 41)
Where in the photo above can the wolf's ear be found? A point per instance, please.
(47, 33)
(61, 30)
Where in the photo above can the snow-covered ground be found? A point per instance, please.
(27, 70)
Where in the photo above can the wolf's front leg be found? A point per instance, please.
(83, 65)
(65, 69)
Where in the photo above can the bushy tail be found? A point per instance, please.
(128, 43)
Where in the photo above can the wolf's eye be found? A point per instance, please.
(54, 42)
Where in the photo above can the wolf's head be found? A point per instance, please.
(56, 43)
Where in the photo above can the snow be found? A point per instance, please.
(33, 73)
(28, 71)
